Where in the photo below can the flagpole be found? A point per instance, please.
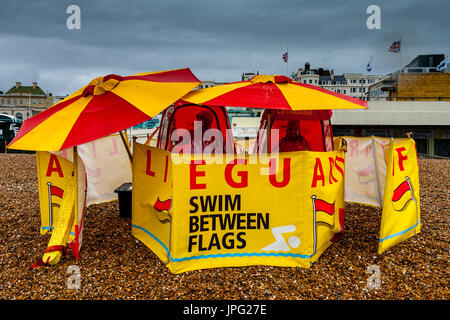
(370, 77)
(287, 62)
(401, 45)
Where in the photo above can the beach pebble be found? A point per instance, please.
(114, 265)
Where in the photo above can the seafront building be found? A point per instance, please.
(355, 85)
(415, 98)
(419, 80)
(23, 101)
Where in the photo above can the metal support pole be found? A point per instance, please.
(127, 146)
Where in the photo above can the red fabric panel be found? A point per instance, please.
(184, 117)
(32, 122)
(310, 130)
(252, 96)
(181, 75)
(105, 114)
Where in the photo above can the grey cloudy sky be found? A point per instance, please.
(218, 40)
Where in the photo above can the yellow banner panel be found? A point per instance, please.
(282, 210)
(401, 206)
(152, 194)
(53, 173)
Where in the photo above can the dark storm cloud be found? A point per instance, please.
(216, 39)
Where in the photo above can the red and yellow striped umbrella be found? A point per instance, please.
(106, 105)
(273, 92)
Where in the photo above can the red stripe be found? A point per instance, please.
(162, 205)
(105, 114)
(54, 248)
(257, 95)
(324, 206)
(32, 122)
(55, 191)
(337, 95)
(181, 75)
(400, 191)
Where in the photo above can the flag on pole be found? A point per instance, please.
(285, 57)
(369, 65)
(395, 46)
(442, 65)
(324, 212)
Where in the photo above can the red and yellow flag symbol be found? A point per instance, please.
(162, 205)
(402, 196)
(366, 175)
(324, 212)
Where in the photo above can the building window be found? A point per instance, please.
(304, 81)
(2, 101)
(34, 101)
(21, 101)
(40, 101)
(8, 101)
(345, 91)
(310, 81)
(15, 101)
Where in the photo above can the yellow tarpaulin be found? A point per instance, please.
(54, 171)
(401, 206)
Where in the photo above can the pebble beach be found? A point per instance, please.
(114, 265)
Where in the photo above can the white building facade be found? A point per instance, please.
(355, 85)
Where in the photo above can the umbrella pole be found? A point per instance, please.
(75, 174)
(126, 146)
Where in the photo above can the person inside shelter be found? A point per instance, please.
(293, 140)
(193, 139)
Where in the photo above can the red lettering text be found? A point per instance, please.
(242, 174)
(148, 169)
(193, 173)
(54, 166)
(318, 174)
(286, 172)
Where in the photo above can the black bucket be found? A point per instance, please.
(124, 192)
